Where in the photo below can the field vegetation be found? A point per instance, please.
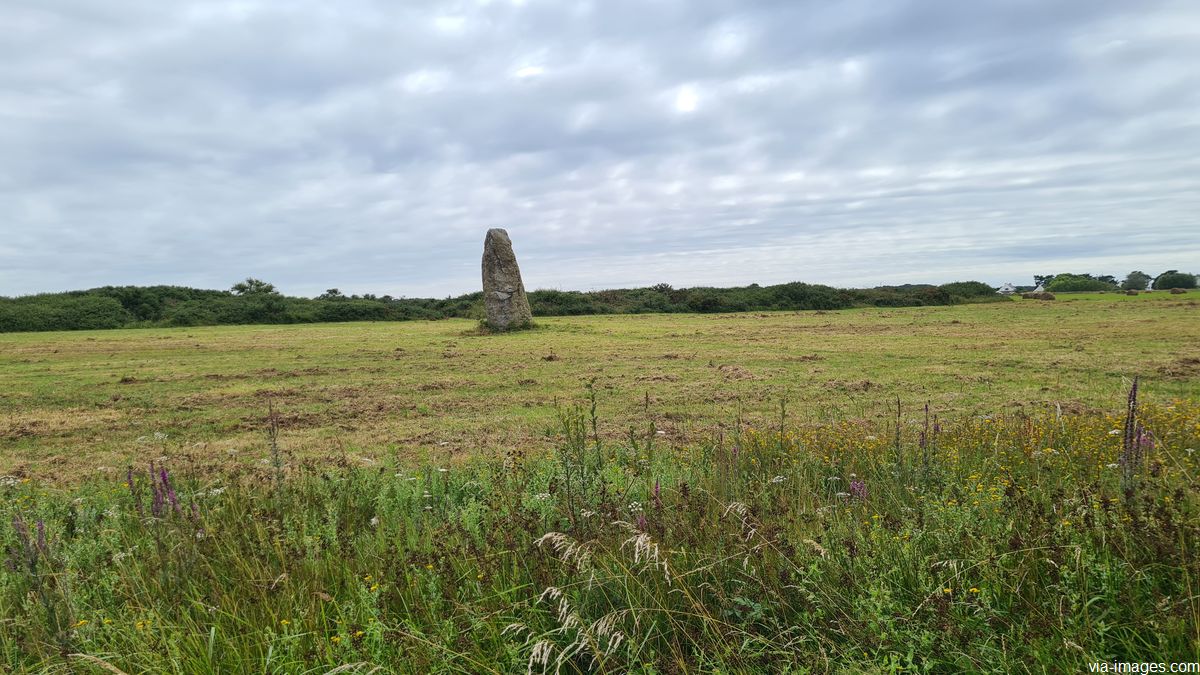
(256, 302)
(971, 488)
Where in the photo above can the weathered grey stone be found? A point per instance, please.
(503, 293)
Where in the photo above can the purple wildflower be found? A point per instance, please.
(1144, 441)
(170, 491)
(158, 499)
(858, 489)
(642, 524)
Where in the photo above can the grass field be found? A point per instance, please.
(72, 402)
(641, 494)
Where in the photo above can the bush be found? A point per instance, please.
(1174, 279)
(968, 289)
(1073, 283)
(61, 312)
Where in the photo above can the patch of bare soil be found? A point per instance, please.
(731, 372)
(1181, 368)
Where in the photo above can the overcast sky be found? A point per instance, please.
(368, 146)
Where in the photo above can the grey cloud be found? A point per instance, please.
(368, 145)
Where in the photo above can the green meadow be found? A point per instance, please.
(75, 403)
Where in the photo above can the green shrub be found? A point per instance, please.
(968, 289)
(1174, 279)
(1069, 283)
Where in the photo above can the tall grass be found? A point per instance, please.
(986, 544)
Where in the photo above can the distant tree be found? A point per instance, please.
(1042, 279)
(1174, 279)
(331, 294)
(1135, 281)
(1066, 283)
(252, 286)
(1108, 279)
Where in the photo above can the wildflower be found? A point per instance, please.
(777, 479)
(375, 521)
(642, 524)
(107, 621)
(973, 590)
(359, 633)
(843, 495)
(428, 566)
(335, 639)
(285, 622)
(80, 623)
(1112, 466)
(374, 587)
(947, 590)
(858, 489)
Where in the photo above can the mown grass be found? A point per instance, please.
(73, 404)
(897, 542)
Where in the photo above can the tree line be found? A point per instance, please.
(254, 301)
(1134, 281)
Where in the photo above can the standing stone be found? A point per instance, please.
(503, 293)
